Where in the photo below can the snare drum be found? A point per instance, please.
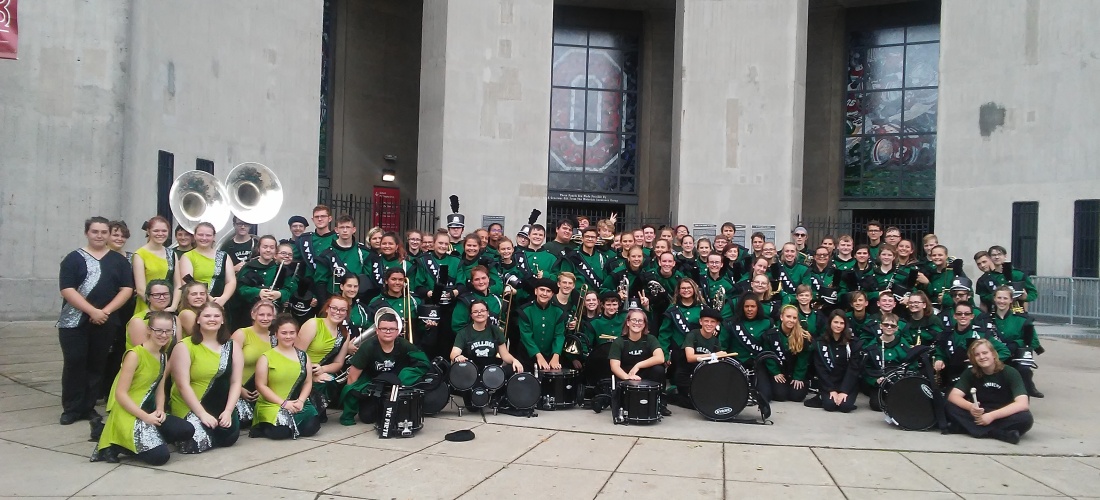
(403, 417)
(907, 400)
(561, 389)
(493, 377)
(522, 391)
(437, 394)
(639, 401)
(462, 376)
(720, 390)
(480, 397)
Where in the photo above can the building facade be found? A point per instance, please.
(970, 116)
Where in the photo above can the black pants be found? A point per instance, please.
(307, 428)
(845, 406)
(1028, 374)
(1020, 422)
(173, 429)
(771, 390)
(84, 350)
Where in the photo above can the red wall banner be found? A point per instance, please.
(9, 29)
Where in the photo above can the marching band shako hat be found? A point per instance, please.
(428, 312)
(1016, 286)
(525, 231)
(455, 219)
(962, 284)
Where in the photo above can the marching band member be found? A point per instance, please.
(209, 266)
(95, 284)
(883, 355)
(636, 355)
(745, 332)
(184, 242)
(357, 320)
(473, 255)
(136, 420)
(158, 298)
(194, 295)
(1004, 274)
(586, 263)
(202, 368)
(153, 262)
(477, 291)
(542, 328)
(242, 246)
(343, 257)
(1018, 332)
(311, 245)
(681, 317)
(483, 343)
(325, 341)
(698, 345)
(951, 349)
(387, 357)
(608, 324)
(999, 406)
(874, 238)
(283, 407)
(263, 278)
(923, 327)
(787, 377)
(254, 340)
(935, 280)
(844, 259)
(811, 320)
(837, 365)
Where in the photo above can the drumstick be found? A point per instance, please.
(974, 395)
(608, 337)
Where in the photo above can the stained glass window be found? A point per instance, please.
(891, 109)
(593, 108)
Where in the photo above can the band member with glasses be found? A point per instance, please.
(883, 355)
(137, 423)
(325, 341)
(923, 327)
(387, 358)
(158, 296)
(637, 355)
(951, 357)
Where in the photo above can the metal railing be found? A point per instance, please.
(391, 215)
(912, 228)
(1069, 299)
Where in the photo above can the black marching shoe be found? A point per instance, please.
(814, 402)
(1010, 437)
(665, 412)
(97, 426)
(68, 419)
(1036, 394)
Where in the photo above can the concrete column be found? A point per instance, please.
(739, 112)
(485, 106)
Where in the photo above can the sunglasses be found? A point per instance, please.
(888, 325)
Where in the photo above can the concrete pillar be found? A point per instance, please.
(485, 106)
(739, 112)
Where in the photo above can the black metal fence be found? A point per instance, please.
(391, 215)
(912, 228)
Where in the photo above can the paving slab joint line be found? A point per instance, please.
(906, 457)
(18, 382)
(319, 445)
(1033, 478)
(506, 464)
(620, 464)
(827, 471)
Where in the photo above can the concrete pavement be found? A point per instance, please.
(570, 454)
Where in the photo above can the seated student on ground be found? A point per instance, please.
(787, 375)
(387, 357)
(1002, 410)
(838, 361)
(284, 381)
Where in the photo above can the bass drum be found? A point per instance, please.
(720, 390)
(907, 400)
(522, 391)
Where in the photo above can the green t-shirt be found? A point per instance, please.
(644, 347)
(702, 345)
(994, 391)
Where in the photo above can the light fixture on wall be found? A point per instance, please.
(388, 175)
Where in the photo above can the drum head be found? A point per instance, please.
(462, 376)
(719, 390)
(493, 377)
(639, 384)
(479, 397)
(909, 402)
(523, 391)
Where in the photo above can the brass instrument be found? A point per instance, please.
(370, 332)
(624, 287)
(719, 298)
(580, 307)
(251, 191)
